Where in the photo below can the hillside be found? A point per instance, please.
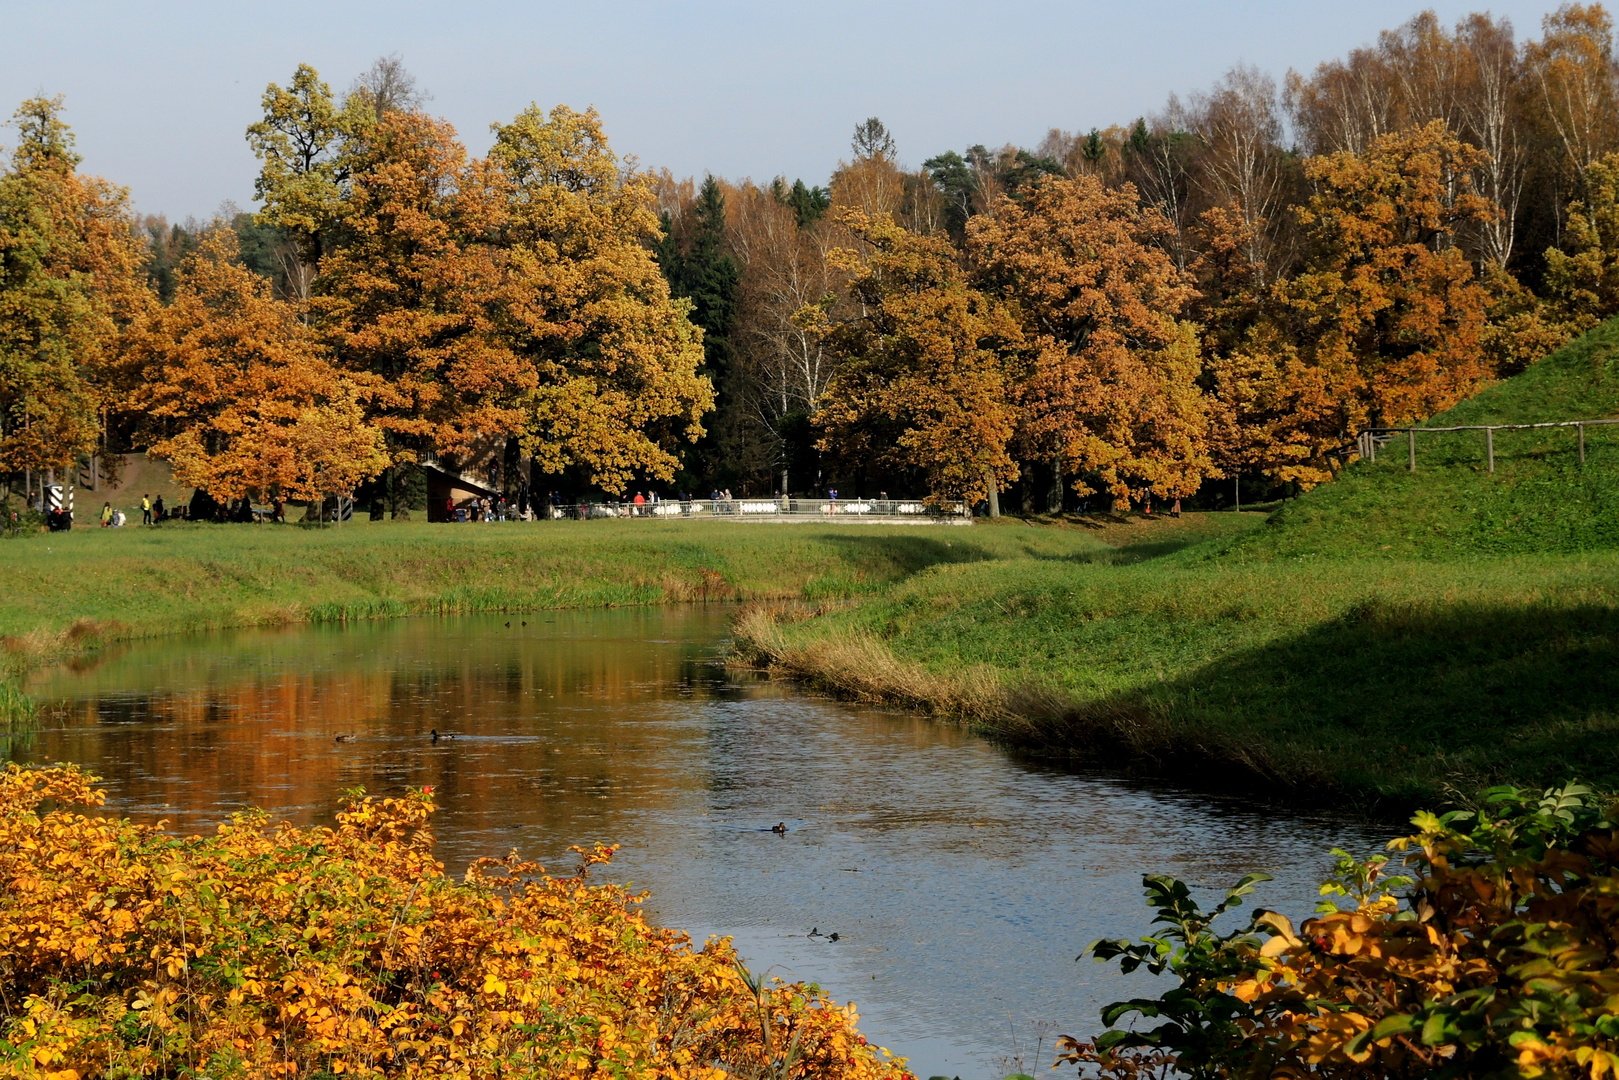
(1539, 499)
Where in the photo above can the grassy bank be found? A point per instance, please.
(1384, 678)
(1385, 637)
(69, 592)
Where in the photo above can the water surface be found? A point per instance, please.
(961, 882)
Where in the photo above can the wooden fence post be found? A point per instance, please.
(1411, 448)
(1489, 446)
(1582, 443)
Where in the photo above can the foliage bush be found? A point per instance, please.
(17, 520)
(275, 951)
(1497, 956)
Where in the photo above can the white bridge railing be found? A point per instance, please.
(912, 510)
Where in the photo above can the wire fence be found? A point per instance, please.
(1371, 441)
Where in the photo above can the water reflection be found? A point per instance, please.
(960, 882)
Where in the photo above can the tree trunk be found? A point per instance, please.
(1054, 493)
(994, 498)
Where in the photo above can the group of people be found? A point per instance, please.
(152, 512)
(483, 508)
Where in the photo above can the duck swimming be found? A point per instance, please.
(779, 828)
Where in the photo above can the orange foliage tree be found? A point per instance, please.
(239, 394)
(509, 298)
(1387, 316)
(400, 294)
(70, 285)
(921, 382)
(1109, 387)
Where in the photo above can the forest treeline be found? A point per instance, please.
(1230, 287)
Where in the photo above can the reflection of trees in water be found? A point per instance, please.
(561, 729)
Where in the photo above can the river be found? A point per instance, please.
(961, 882)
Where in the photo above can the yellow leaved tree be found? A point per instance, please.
(921, 383)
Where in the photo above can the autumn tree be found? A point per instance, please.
(304, 168)
(70, 284)
(1573, 67)
(1388, 313)
(921, 384)
(239, 395)
(1572, 110)
(1109, 388)
(1582, 276)
(1343, 105)
(612, 383)
(409, 295)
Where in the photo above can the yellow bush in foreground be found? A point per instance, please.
(269, 950)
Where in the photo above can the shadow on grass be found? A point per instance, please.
(890, 557)
(1395, 703)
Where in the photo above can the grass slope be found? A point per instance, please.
(1383, 637)
(1540, 498)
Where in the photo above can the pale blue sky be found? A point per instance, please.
(160, 92)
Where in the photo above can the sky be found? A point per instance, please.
(160, 92)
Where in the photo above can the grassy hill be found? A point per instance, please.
(1539, 499)
(1383, 637)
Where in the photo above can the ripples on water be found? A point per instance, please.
(960, 881)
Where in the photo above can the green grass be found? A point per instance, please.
(1382, 638)
(68, 591)
(1539, 500)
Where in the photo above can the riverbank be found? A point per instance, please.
(69, 593)
(1204, 647)
(1393, 634)
(1373, 680)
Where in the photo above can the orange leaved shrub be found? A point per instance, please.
(275, 951)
